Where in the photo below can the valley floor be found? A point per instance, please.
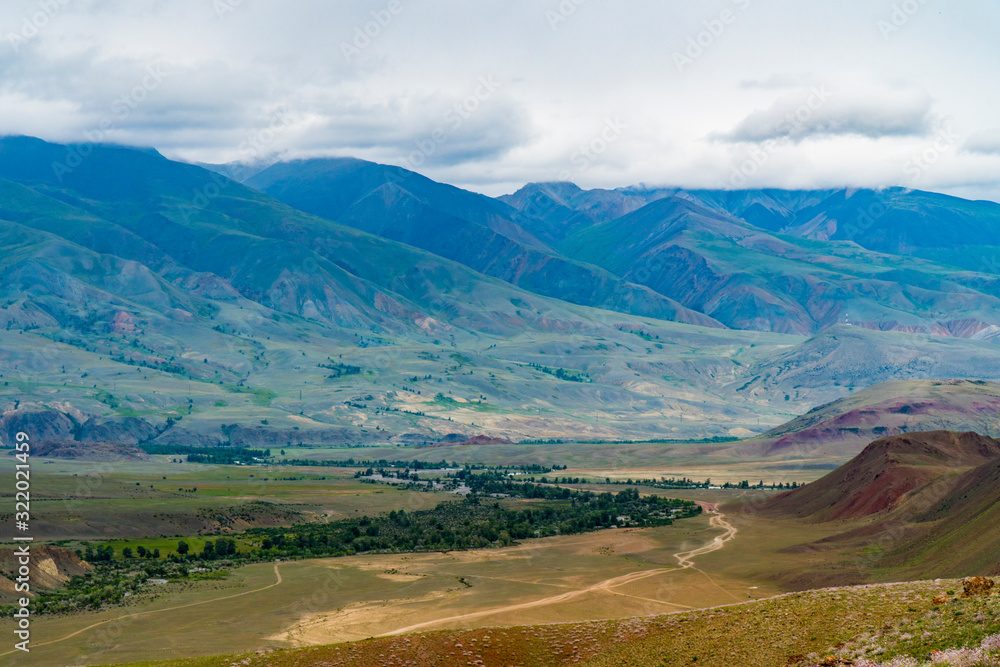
(715, 587)
(603, 575)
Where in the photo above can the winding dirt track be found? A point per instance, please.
(684, 561)
(608, 585)
(151, 612)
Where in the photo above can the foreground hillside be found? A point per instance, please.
(878, 622)
(920, 504)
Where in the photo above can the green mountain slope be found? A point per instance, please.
(472, 229)
(748, 278)
(135, 286)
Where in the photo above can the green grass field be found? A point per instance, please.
(597, 461)
(142, 500)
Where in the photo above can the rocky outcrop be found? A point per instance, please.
(88, 451)
(976, 586)
(51, 566)
(130, 431)
(188, 438)
(261, 437)
(485, 440)
(52, 426)
(828, 661)
(41, 426)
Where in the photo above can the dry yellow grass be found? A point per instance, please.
(764, 633)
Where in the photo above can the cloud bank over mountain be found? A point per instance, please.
(497, 94)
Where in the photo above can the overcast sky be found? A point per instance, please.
(491, 94)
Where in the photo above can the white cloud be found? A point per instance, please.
(231, 73)
(822, 111)
(985, 142)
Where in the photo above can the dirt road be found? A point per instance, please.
(717, 520)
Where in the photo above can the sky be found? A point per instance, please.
(492, 94)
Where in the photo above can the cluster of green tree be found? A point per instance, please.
(495, 484)
(142, 552)
(562, 373)
(373, 463)
(415, 465)
(115, 581)
(155, 364)
(103, 553)
(223, 547)
(229, 456)
(685, 483)
(214, 455)
(564, 480)
(640, 334)
(110, 583)
(339, 369)
(475, 522)
(745, 484)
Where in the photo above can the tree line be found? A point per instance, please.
(489, 516)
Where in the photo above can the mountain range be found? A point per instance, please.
(784, 261)
(337, 295)
(477, 231)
